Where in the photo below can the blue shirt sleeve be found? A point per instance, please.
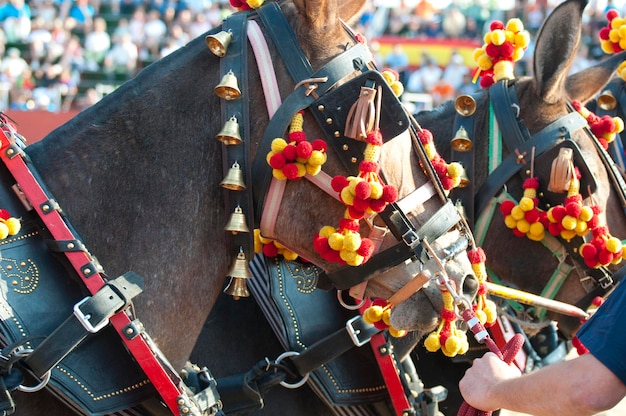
(604, 335)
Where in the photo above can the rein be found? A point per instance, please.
(518, 140)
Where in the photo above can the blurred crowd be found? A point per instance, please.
(55, 53)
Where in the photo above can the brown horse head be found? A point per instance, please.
(541, 99)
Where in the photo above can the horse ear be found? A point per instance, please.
(587, 83)
(318, 13)
(555, 48)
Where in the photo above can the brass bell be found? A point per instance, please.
(465, 105)
(606, 100)
(230, 132)
(218, 43)
(237, 222)
(465, 182)
(461, 141)
(239, 272)
(234, 179)
(228, 88)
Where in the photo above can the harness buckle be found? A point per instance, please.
(410, 238)
(356, 333)
(84, 319)
(605, 281)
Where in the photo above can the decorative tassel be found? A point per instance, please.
(447, 336)
(362, 115)
(379, 315)
(562, 171)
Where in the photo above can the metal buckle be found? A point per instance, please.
(410, 238)
(354, 332)
(84, 319)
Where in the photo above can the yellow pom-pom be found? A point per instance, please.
(614, 245)
(568, 222)
(326, 231)
(503, 70)
(452, 346)
(397, 88)
(478, 52)
(581, 227)
(389, 76)
(484, 62)
(523, 226)
(498, 37)
(289, 255)
(432, 343)
(481, 316)
(622, 43)
(617, 22)
(397, 333)
(455, 169)
(536, 228)
(487, 38)
(317, 158)
(313, 169)
(522, 39)
(335, 241)
(567, 235)
(278, 174)
(387, 316)
(515, 25)
(526, 204)
(301, 170)
(351, 257)
(258, 245)
(619, 124)
(518, 53)
(517, 212)
(255, 4)
(510, 222)
(376, 190)
(347, 196)
(490, 311)
(14, 225)
(607, 47)
(373, 314)
(352, 242)
(4, 231)
(278, 145)
(586, 213)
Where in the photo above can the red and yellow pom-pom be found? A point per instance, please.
(526, 219)
(393, 79)
(503, 45)
(343, 245)
(449, 174)
(271, 248)
(379, 315)
(293, 158)
(605, 128)
(447, 336)
(8, 225)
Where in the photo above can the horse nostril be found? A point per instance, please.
(470, 286)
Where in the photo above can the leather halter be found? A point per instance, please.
(520, 142)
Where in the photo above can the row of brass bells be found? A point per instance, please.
(237, 222)
(218, 43)
(234, 178)
(229, 134)
(239, 272)
(606, 100)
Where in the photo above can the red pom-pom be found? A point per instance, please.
(588, 251)
(304, 150)
(270, 250)
(425, 136)
(558, 212)
(496, 24)
(296, 136)
(447, 183)
(506, 207)
(493, 51)
(378, 205)
(507, 50)
(348, 224)
(616, 48)
(367, 166)
(532, 216)
(290, 171)
(487, 81)
(604, 33)
(277, 161)
(319, 144)
(4, 214)
(531, 183)
(338, 183)
(390, 194)
(355, 213)
(374, 138)
(320, 244)
(577, 105)
(593, 222)
(592, 263)
(611, 14)
(477, 256)
(518, 233)
(236, 3)
(362, 190)
(290, 152)
(605, 257)
(366, 249)
(361, 204)
(554, 229)
(573, 209)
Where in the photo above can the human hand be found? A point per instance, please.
(479, 386)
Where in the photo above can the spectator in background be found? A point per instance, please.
(154, 31)
(122, 58)
(83, 13)
(13, 66)
(454, 23)
(455, 71)
(398, 60)
(97, 44)
(38, 40)
(15, 16)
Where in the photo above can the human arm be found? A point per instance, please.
(577, 387)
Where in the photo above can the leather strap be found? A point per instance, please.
(90, 315)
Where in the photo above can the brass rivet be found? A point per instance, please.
(45, 207)
(320, 107)
(87, 271)
(129, 331)
(337, 134)
(345, 147)
(10, 152)
(329, 121)
(181, 402)
(353, 160)
(14, 282)
(70, 246)
(23, 264)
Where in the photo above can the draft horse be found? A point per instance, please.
(518, 128)
(139, 180)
